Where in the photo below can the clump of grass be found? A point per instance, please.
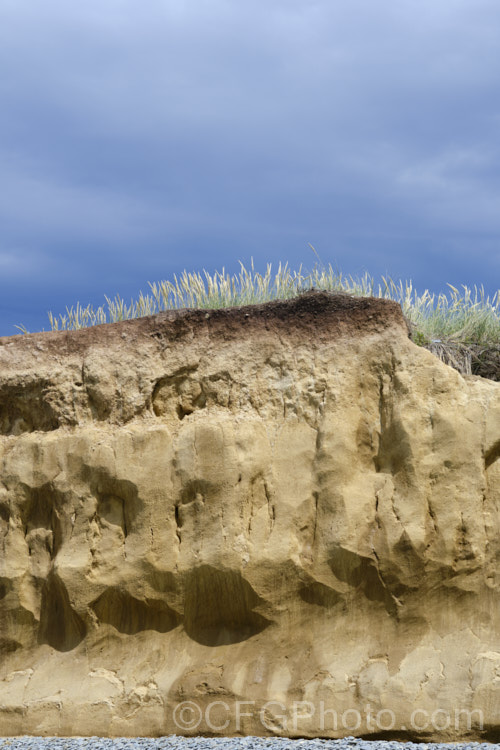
(467, 317)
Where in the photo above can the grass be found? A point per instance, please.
(457, 325)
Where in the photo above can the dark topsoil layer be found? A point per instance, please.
(320, 316)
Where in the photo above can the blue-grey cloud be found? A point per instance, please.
(138, 139)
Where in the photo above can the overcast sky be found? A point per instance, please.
(141, 138)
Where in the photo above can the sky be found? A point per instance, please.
(138, 139)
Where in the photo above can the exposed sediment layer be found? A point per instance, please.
(286, 503)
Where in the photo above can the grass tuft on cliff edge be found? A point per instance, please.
(461, 327)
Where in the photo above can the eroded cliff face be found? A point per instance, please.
(287, 505)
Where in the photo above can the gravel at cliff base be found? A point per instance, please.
(225, 743)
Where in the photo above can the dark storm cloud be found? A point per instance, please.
(140, 138)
